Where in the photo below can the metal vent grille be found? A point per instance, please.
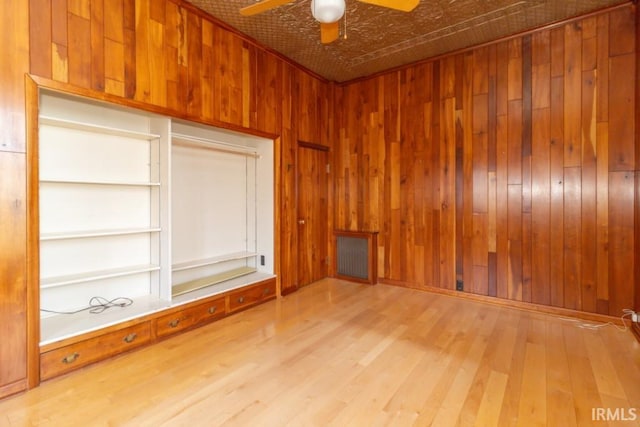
(353, 257)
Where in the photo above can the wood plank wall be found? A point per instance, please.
(14, 62)
(510, 167)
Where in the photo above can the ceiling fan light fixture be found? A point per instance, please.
(327, 11)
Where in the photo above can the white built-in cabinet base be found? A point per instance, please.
(58, 328)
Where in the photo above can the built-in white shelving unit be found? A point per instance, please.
(141, 206)
(217, 182)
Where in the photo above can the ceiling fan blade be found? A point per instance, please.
(402, 5)
(262, 6)
(329, 32)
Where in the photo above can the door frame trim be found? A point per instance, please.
(322, 148)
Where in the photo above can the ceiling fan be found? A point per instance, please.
(328, 12)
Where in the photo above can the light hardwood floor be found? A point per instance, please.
(345, 354)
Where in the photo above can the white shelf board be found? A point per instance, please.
(96, 233)
(213, 260)
(52, 282)
(70, 124)
(63, 326)
(86, 182)
(222, 287)
(203, 282)
(195, 142)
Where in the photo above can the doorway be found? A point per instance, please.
(312, 184)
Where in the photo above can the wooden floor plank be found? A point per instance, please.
(603, 369)
(489, 411)
(513, 393)
(339, 353)
(533, 407)
(627, 366)
(558, 394)
(478, 390)
(583, 383)
(451, 406)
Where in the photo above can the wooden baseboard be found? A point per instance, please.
(555, 311)
(13, 388)
(289, 290)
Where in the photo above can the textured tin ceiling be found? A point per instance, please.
(378, 39)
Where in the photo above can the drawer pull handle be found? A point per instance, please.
(212, 309)
(70, 358)
(174, 323)
(266, 291)
(130, 338)
(241, 300)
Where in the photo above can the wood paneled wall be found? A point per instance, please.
(510, 167)
(14, 62)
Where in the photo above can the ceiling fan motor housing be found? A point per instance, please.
(327, 11)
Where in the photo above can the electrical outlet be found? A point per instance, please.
(635, 317)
